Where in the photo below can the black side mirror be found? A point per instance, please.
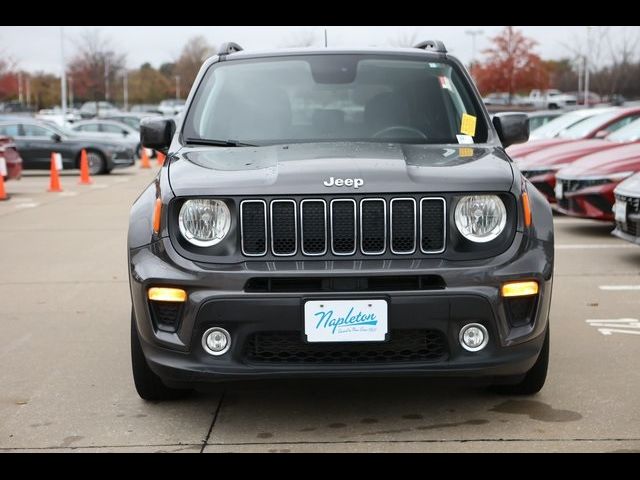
(157, 133)
(56, 138)
(512, 128)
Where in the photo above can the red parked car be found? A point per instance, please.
(541, 167)
(12, 158)
(585, 189)
(561, 130)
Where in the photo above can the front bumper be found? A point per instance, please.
(217, 296)
(594, 202)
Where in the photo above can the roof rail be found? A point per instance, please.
(435, 45)
(228, 48)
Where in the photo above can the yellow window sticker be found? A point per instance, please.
(466, 152)
(468, 126)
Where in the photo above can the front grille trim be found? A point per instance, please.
(295, 228)
(402, 199)
(444, 225)
(355, 226)
(326, 226)
(264, 208)
(384, 248)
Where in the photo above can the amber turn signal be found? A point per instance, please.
(161, 294)
(526, 206)
(520, 289)
(157, 214)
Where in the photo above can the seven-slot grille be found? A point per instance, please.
(343, 226)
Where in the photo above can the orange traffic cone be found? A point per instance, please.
(144, 162)
(85, 178)
(161, 158)
(54, 184)
(3, 170)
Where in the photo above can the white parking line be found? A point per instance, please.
(592, 246)
(26, 205)
(607, 327)
(619, 288)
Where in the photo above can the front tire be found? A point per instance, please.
(148, 384)
(534, 379)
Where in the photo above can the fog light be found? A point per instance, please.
(216, 341)
(473, 337)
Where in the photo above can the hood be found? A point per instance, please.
(630, 187)
(518, 151)
(614, 160)
(304, 168)
(564, 153)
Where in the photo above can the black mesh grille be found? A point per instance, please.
(432, 218)
(373, 226)
(166, 315)
(404, 346)
(403, 225)
(343, 225)
(314, 227)
(254, 228)
(283, 227)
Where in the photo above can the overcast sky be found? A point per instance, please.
(38, 48)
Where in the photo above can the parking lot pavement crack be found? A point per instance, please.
(425, 441)
(213, 423)
(181, 446)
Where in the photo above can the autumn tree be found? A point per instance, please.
(511, 65)
(148, 85)
(187, 66)
(8, 79)
(95, 66)
(45, 90)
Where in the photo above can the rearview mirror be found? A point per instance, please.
(157, 133)
(512, 128)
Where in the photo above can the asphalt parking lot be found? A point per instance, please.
(65, 381)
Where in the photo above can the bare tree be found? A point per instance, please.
(405, 39)
(95, 66)
(193, 54)
(300, 38)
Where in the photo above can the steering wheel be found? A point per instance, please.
(396, 128)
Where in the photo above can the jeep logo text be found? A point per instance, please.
(344, 182)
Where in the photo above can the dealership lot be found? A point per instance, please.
(66, 383)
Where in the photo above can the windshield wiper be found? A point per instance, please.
(218, 143)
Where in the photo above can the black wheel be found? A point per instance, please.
(148, 384)
(97, 163)
(139, 151)
(534, 379)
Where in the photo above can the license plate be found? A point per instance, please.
(559, 190)
(346, 321)
(621, 212)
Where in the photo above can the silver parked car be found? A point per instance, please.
(112, 130)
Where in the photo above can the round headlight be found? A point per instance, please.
(204, 222)
(480, 218)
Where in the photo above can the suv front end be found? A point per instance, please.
(339, 258)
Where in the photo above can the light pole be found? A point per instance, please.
(473, 34)
(63, 79)
(586, 69)
(126, 90)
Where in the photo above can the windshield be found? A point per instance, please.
(334, 98)
(630, 133)
(585, 127)
(554, 127)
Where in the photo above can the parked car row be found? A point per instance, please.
(34, 140)
(586, 164)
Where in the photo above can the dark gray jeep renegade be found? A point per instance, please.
(338, 213)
